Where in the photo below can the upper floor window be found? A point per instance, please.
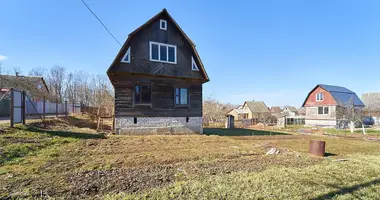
(319, 97)
(163, 24)
(127, 56)
(194, 65)
(142, 94)
(181, 96)
(163, 52)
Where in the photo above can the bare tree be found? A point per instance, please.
(37, 72)
(55, 80)
(348, 112)
(215, 111)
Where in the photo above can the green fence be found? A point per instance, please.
(5, 108)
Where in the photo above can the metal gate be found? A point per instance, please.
(17, 107)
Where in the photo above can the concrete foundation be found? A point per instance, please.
(158, 125)
(320, 122)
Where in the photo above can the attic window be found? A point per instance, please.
(319, 97)
(127, 56)
(160, 52)
(194, 66)
(163, 24)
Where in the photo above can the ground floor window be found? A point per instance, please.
(142, 94)
(323, 110)
(181, 96)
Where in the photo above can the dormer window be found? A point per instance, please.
(319, 97)
(163, 24)
(127, 56)
(194, 66)
(160, 52)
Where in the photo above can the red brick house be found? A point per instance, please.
(324, 102)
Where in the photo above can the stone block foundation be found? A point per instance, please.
(158, 125)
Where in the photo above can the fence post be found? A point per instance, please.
(12, 111)
(23, 105)
(66, 108)
(43, 109)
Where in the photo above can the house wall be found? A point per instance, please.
(250, 114)
(162, 98)
(162, 113)
(312, 117)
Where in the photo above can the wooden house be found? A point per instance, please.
(325, 105)
(157, 76)
(257, 111)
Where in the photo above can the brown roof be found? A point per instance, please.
(24, 83)
(257, 106)
(275, 109)
(291, 108)
(151, 20)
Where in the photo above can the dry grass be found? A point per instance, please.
(68, 159)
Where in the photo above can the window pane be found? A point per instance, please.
(163, 24)
(126, 58)
(154, 51)
(163, 53)
(137, 94)
(183, 96)
(320, 110)
(171, 54)
(145, 94)
(326, 110)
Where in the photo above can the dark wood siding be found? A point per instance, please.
(162, 98)
(140, 53)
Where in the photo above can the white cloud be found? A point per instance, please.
(2, 57)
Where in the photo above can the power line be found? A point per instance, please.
(101, 22)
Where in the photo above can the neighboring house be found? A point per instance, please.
(324, 103)
(290, 111)
(301, 111)
(34, 86)
(239, 113)
(275, 110)
(256, 110)
(157, 76)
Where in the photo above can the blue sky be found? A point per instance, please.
(275, 51)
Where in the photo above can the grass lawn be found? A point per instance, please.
(68, 160)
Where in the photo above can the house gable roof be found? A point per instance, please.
(275, 109)
(26, 83)
(341, 95)
(257, 106)
(291, 108)
(164, 12)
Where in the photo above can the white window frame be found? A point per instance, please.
(159, 53)
(194, 63)
(319, 97)
(128, 53)
(166, 24)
